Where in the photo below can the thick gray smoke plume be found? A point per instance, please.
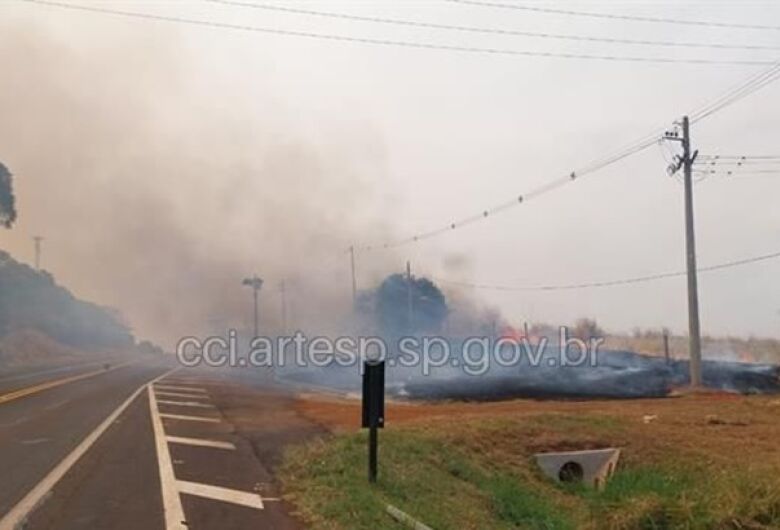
(158, 188)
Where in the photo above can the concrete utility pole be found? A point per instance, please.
(37, 240)
(410, 305)
(354, 280)
(255, 283)
(667, 354)
(283, 289)
(694, 332)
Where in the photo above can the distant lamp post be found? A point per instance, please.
(37, 240)
(255, 283)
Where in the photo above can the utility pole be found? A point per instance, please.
(410, 307)
(283, 289)
(37, 240)
(667, 354)
(354, 281)
(255, 283)
(694, 331)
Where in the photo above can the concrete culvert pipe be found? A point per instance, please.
(592, 468)
(571, 472)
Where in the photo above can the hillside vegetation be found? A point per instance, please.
(39, 317)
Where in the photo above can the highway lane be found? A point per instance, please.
(39, 430)
(193, 450)
(10, 381)
(115, 485)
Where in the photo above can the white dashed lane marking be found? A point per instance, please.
(182, 417)
(200, 442)
(243, 498)
(171, 388)
(180, 394)
(173, 488)
(186, 404)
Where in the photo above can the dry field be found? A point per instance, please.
(709, 460)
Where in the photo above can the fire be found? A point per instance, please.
(746, 357)
(513, 334)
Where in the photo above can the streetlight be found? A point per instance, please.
(255, 283)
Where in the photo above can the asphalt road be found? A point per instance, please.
(193, 450)
(10, 381)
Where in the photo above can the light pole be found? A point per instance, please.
(37, 240)
(255, 283)
(283, 290)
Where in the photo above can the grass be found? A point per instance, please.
(480, 474)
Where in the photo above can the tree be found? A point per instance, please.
(7, 199)
(587, 328)
(429, 307)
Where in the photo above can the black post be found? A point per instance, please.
(373, 450)
(373, 411)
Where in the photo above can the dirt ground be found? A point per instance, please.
(720, 424)
(344, 414)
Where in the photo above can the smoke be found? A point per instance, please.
(159, 188)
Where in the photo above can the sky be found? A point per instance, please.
(162, 161)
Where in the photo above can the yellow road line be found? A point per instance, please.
(17, 394)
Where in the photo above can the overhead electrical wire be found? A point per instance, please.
(543, 189)
(753, 84)
(390, 42)
(710, 165)
(611, 16)
(748, 162)
(484, 30)
(741, 172)
(609, 283)
(739, 157)
(744, 89)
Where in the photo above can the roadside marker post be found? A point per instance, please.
(373, 410)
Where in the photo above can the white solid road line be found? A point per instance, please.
(200, 442)
(15, 518)
(172, 388)
(174, 512)
(243, 498)
(186, 418)
(186, 404)
(181, 394)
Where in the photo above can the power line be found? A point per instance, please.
(744, 89)
(735, 162)
(740, 91)
(484, 30)
(743, 165)
(748, 87)
(753, 84)
(632, 18)
(518, 199)
(739, 157)
(389, 42)
(624, 281)
(730, 172)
